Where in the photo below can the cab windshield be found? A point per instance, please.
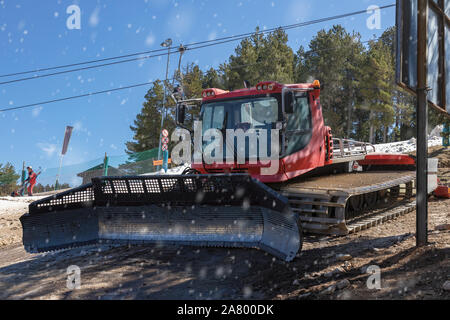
(249, 113)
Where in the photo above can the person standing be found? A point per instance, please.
(32, 176)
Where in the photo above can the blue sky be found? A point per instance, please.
(34, 35)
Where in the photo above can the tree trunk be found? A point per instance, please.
(397, 124)
(349, 119)
(371, 128)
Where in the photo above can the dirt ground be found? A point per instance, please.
(443, 154)
(327, 268)
(152, 272)
(10, 211)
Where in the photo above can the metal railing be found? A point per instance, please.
(343, 148)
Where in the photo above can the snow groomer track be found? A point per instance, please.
(344, 203)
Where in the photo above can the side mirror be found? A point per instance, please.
(181, 113)
(289, 102)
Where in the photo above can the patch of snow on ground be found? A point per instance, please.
(434, 139)
(16, 202)
(6, 204)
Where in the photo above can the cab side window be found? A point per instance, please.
(299, 125)
(300, 120)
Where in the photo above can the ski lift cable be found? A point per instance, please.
(201, 43)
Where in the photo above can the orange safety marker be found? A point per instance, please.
(160, 162)
(442, 192)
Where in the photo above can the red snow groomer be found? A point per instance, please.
(320, 183)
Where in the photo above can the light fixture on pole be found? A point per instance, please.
(181, 49)
(166, 44)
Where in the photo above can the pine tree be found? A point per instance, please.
(8, 178)
(300, 69)
(334, 59)
(260, 58)
(377, 87)
(147, 125)
(192, 81)
(212, 79)
(277, 60)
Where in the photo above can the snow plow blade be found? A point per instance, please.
(200, 210)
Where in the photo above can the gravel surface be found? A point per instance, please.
(327, 268)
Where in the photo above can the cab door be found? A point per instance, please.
(299, 125)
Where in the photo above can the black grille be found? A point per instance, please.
(183, 190)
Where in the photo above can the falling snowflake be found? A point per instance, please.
(247, 292)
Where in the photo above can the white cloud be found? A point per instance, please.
(48, 148)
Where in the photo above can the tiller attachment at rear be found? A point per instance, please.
(201, 210)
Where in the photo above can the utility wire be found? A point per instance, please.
(99, 92)
(108, 64)
(141, 58)
(211, 43)
(147, 83)
(82, 63)
(75, 97)
(201, 44)
(140, 85)
(83, 68)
